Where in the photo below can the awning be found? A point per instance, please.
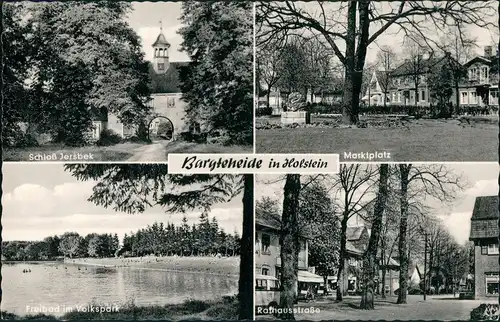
(307, 277)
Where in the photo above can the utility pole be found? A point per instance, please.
(425, 267)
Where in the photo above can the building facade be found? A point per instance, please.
(484, 234)
(167, 105)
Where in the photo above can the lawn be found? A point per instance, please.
(189, 147)
(420, 140)
(59, 152)
(209, 265)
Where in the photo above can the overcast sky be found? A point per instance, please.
(40, 200)
(393, 36)
(481, 179)
(145, 20)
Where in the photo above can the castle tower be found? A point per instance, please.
(160, 57)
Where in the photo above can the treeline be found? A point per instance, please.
(69, 244)
(204, 238)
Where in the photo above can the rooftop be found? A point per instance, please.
(161, 41)
(484, 220)
(168, 82)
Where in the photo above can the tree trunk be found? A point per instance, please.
(245, 284)
(457, 98)
(350, 104)
(384, 272)
(342, 255)
(268, 98)
(289, 242)
(370, 260)
(404, 170)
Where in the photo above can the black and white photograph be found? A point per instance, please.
(379, 242)
(126, 81)
(379, 81)
(125, 242)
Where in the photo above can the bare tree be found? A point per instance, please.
(417, 183)
(352, 188)
(354, 25)
(387, 59)
(370, 258)
(268, 68)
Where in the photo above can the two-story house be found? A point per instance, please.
(267, 252)
(412, 75)
(484, 234)
(480, 88)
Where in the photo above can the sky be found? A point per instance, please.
(392, 37)
(41, 200)
(145, 20)
(479, 179)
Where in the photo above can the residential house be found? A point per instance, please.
(267, 252)
(166, 103)
(416, 70)
(480, 88)
(484, 234)
(390, 283)
(377, 89)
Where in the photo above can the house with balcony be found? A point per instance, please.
(267, 252)
(480, 88)
(484, 234)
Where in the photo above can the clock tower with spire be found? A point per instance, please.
(160, 57)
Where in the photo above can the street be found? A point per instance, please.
(441, 307)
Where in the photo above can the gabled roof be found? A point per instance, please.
(484, 221)
(161, 41)
(485, 207)
(351, 249)
(168, 82)
(407, 68)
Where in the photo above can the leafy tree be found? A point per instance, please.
(85, 61)
(70, 242)
(177, 193)
(14, 71)
(293, 68)
(441, 88)
(218, 83)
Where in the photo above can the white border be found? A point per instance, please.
(255, 100)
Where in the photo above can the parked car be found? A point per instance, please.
(267, 292)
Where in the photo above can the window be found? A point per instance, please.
(260, 285)
(464, 98)
(473, 97)
(422, 95)
(266, 242)
(484, 250)
(96, 131)
(171, 102)
(161, 66)
(484, 74)
(265, 271)
(493, 249)
(399, 97)
(492, 284)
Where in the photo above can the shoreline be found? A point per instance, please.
(150, 269)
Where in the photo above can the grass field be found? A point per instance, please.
(420, 140)
(209, 265)
(189, 310)
(118, 152)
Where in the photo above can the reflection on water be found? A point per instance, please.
(53, 285)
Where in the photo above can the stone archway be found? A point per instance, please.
(160, 128)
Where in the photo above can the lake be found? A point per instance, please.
(51, 285)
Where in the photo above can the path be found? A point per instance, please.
(155, 152)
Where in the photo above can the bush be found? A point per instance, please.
(485, 312)
(136, 139)
(23, 140)
(262, 111)
(108, 137)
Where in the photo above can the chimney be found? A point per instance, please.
(488, 51)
